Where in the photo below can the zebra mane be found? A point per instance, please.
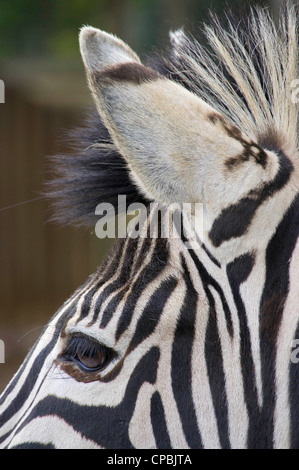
(247, 71)
(95, 172)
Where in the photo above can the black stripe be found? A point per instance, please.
(278, 255)
(151, 271)
(215, 370)
(124, 248)
(152, 312)
(145, 248)
(122, 283)
(159, 423)
(85, 308)
(235, 219)
(33, 445)
(213, 353)
(181, 363)
(237, 272)
(208, 280)
(110, 308)
(127, 72)
(212, 258)
(106, 270)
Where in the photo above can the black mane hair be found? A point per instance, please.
(95, 172)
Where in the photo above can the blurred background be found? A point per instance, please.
(45, 94)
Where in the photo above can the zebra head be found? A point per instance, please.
(173, 343)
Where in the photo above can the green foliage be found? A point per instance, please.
(38, 27)
(50, 27)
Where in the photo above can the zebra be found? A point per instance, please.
(170, 344)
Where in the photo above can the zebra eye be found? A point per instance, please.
(89, 355)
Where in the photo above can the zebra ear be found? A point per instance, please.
(100, 50)
(174, 143)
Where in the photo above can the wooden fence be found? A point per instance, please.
(40, 264)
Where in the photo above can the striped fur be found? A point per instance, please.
(193, 342)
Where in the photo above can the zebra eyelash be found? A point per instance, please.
(82, 348)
